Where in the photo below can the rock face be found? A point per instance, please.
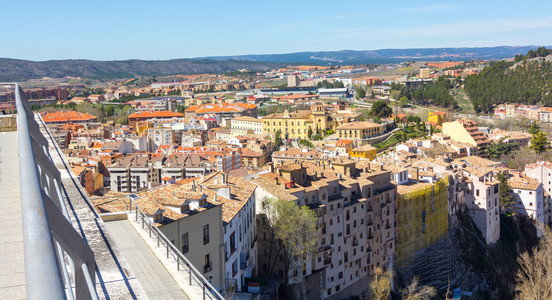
(536, 59)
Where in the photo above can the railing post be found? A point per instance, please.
(190, 273)
(203, 291)
(177, 263)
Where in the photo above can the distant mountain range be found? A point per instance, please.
(20, 70)
(345, 57)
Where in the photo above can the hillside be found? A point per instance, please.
(526, 82)
(384, 55)
(20, 70)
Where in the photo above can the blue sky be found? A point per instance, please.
(161, 29)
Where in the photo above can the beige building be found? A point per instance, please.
(466, 131)
(359, 130)
(246, 125)
(356, 221)
(424, 73)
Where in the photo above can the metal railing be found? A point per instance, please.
(195, 278)
(52, 246)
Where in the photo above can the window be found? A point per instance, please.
(205, 234)
(207, 263)
(477, 193)
(232, 242)
(185, 243)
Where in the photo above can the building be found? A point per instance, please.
(135, 172)
(299, 125)
(333, 93)
(223, 111)
(480, 192)
(356, 221)
(237, 197)
(466, 131)
(365, 151)
(141, 116)
(160, 136)
(422, 217)
(344, 146)
(246, 125)
(529, 197)
(436, 118)
(63, 117)
(359, 130)
(424, 73)
(294, 80)
(189, 219)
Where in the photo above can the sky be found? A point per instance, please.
(162, 29)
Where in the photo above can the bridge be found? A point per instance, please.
(55, 245)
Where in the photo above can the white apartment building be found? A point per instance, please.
(542, 172)
(160, 136)
(529, 197)
(481, 199)
(245, 124)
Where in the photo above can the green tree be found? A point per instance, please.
(498, 149)
(395, 94)
(416, 292)
(309, 132)
(403, 101)
(381, 284)
(294, 233)
(381, 109)
(540, 143)
(534, 129)
(505, 196)
(360, 93)
(277, 140)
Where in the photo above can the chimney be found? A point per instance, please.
(276, 178)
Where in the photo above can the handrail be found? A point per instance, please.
(208, 289)
(48, 236)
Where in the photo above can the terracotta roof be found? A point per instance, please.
(155, 114)
(66, 116)
(343, 143)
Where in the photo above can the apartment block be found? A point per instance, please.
(356, 215)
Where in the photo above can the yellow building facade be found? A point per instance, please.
(359, 130)
(296, 125)
(422, 217)
(365, 151)
(436, 117)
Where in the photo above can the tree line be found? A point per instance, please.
(435, 93)
(528, 83)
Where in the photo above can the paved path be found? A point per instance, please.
(152, 275)
(12, 260)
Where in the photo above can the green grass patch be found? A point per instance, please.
(463, 101)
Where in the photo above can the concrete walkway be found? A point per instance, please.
(152, 275)
(12, 259)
